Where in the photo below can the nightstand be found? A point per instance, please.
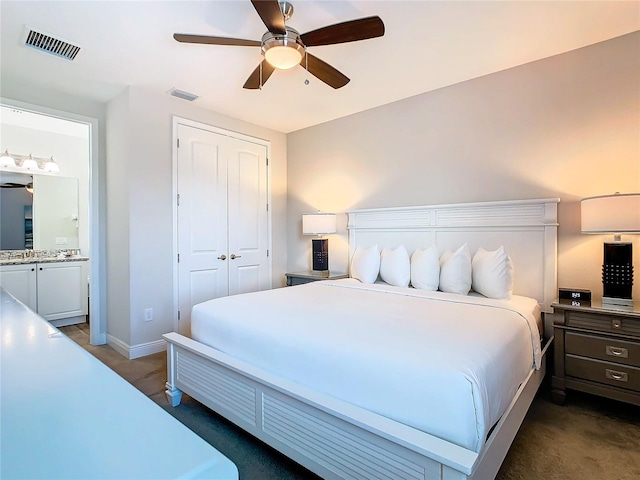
(312, 276)
(596, 350)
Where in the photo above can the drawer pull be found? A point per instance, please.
(617, 351)
(616, 323)
(614, 375)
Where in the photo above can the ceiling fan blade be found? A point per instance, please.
(271, 15)
(186, 38)
(253, 82)
(351, 31)
(325, 72)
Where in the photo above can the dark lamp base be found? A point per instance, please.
(617, 274)
(320, 254)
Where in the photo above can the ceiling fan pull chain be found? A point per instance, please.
(306, 65)
(260, 76)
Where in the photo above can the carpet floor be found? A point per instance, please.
(590, 438)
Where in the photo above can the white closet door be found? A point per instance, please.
(202, 220)
(248, 217)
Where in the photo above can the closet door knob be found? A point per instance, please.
(234, 256)
(223, 257)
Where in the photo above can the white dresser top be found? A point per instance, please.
(64, 414)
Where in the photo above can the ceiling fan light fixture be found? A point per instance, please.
(284, 57)
(283, 47)
(283, 51)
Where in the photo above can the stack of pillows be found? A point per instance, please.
(489, 273)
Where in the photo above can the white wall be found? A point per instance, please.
(140, 123)
(118, 127)
(566, 126)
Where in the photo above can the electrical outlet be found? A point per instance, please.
(148, 314)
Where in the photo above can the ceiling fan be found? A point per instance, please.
(283, 47)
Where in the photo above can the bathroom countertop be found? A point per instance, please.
(28, 260)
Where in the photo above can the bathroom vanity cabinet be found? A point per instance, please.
(56, 290)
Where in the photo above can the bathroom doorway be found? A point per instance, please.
(72, 140)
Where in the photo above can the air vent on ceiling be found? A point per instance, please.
(182, 94)
(49, 44)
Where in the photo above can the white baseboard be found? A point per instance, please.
(136, 351)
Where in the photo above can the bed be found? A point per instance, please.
(351, 425)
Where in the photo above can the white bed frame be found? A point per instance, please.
(338, 440)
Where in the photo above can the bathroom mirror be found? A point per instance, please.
(42, 217)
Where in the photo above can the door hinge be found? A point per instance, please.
(178, 142)
(178, 258)
(267, 252)
(178, 314)
(178, 199)
(267, 161)
(267, 207)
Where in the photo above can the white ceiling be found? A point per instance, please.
(427, 45)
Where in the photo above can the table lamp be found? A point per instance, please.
(614, 214)
(319, 224)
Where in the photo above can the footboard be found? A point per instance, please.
(329, 437)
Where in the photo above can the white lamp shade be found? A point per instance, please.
(618, 213)
(318, 223)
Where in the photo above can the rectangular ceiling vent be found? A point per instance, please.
(49, 44)
(183, 95)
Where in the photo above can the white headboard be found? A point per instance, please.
(526, 228)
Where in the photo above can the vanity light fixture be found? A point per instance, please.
(7, 160)
(51, 166)
(29, 163)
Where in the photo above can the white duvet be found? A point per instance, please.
(446, 364)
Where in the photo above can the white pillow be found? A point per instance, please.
(425, 269)
(492, 273)
(395, 268)
(365, 264)
(455, 271)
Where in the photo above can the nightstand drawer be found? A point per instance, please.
(603, 348)
(301, 278)
(293, 281)
(602, 322)
(603, 372)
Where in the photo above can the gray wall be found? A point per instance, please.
(567, 126)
